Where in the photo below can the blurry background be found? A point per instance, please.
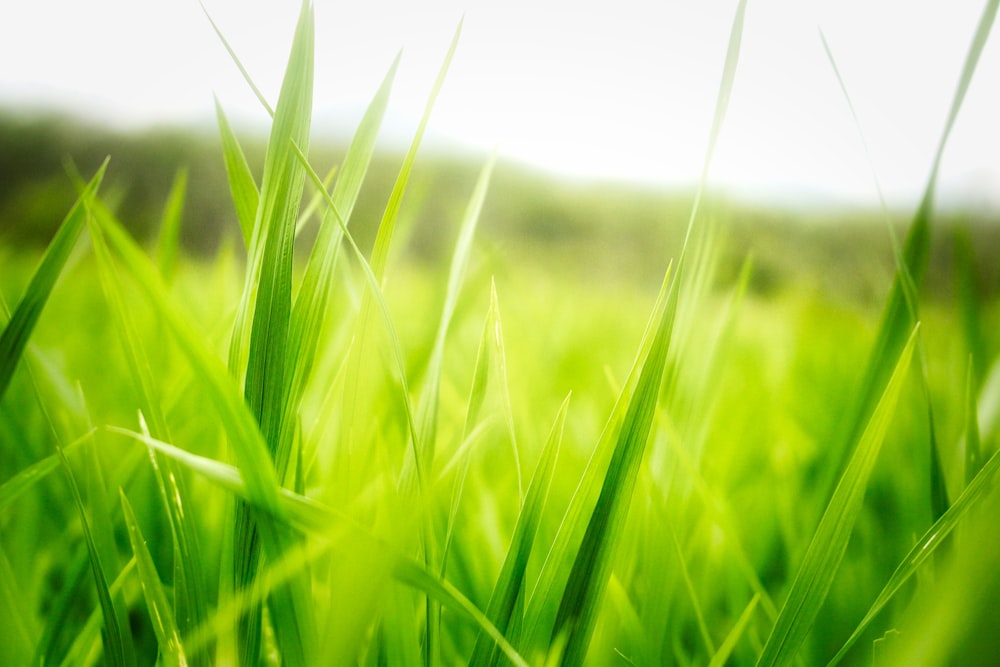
(601, 115)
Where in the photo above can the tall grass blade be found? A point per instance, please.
(822, 559)
(588, 578)
(898, 317)
(430, 399)
(22, 322)
(242, 186)
(387, 226)
(314, 293)
(169, 240)
(510, 584)
(269, 289)
(160, 611)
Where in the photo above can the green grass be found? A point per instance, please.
(300, 451)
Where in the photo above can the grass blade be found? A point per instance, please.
(588, 578)
(22, 322)
(510, 583)
(721, 657)
(168, 243)
(898, 317)
(242, 186)
(117, 649)
(160, 612)
(819, 566)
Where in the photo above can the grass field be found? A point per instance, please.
(300, 449)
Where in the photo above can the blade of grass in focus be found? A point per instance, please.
(266, 309)
(242, 186)
(160, 611)
(22, 322)
(591, 568)
(819, 565)
(510, 587)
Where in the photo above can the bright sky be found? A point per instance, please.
(622, 90)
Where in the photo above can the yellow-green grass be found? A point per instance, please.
(358, 458)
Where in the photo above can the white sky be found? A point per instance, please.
(624, 90)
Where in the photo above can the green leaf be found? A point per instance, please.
(591, 569)
(826, 550)
(242, 186)
(18, 330)
(160, 612)
(510, 584)
(721, 657)
(117, 639)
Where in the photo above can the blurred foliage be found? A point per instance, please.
(600, 232)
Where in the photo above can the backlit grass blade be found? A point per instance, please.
(242, 186)
(160, 611)
(819, 566)
(168, 242)
(533, 636)
(314, 292)
(22, 322)
(510, 584)
(269, 289)
(387, 226)
(981, 486)
(118, 650)
(239, 64)
(588, 578)
(897, 319)
(430, 399)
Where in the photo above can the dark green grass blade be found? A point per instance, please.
(981, 486)
(22, 322)
(168, 243)
(510, 583)
(160, 611)
(826, 550)
(116, 651)
(242, 186)
(973, 446)
(588, 578)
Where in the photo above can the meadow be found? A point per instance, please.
(412, 434)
